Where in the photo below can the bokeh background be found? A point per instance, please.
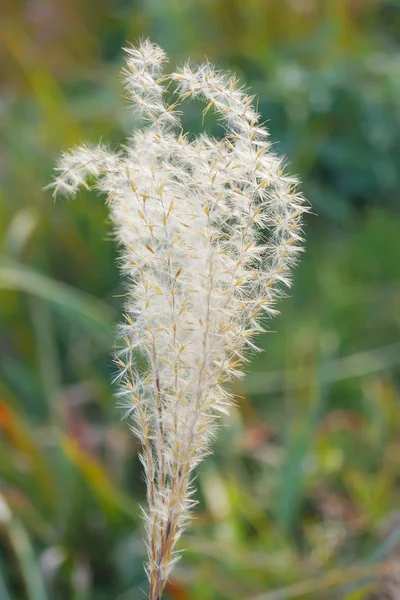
(301, 498)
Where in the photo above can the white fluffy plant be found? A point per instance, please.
(209, 230)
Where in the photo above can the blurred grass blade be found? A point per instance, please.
(23, 442)
(4, 595)
(81, 580)
(331, 579)
(300, 438)
(47, 92)
(388, 546)
(108, 496)
(22, 225)
(362, 593)
(24, 553)
(355, 365)
(93, 313)
(48, 359)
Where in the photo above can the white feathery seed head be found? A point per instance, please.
(209, 231)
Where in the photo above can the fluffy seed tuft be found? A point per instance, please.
(209, 231)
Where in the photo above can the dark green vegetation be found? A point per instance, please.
(301, 499)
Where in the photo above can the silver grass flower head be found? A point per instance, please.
(209, 230)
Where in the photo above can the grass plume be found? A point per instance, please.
(209, 231)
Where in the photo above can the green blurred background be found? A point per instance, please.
(301, 498)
